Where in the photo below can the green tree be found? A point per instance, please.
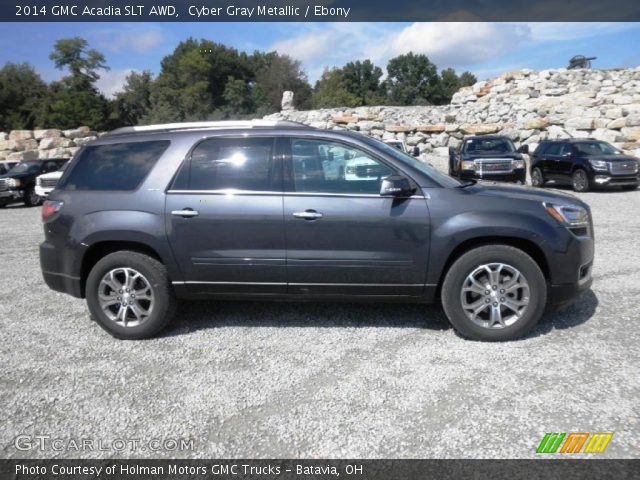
(330, 91)
(467, 79)
(83, 63)
(134, 101)
(21, 94)
(411, 79)
(75, 100)
(362, 79)
(193, 79)
(276, 74)
(238, 97)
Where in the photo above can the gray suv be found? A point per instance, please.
(258, 210)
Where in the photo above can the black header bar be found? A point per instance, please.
(319, 10)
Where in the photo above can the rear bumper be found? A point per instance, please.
(518, 175)
(53, 277)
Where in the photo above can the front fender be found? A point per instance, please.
(468, 226)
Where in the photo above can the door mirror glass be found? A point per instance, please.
(452, 151)
(416, 151)
(396, 186)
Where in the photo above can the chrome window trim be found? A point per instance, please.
(231, 192)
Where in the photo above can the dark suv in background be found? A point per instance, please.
(583, 164)
(18, 184)
(488, 157)
(254, 210)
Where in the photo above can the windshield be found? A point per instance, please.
(26, 167)
(596, 148)
(437, 176)
(489, 145)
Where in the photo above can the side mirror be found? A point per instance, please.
(416, 151)
(396, 186)
(524, 149)
(452, 151)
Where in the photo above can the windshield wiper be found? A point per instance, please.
(468, 183)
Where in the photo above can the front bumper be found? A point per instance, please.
(8, 196)
(571, 270)
(43, 191)
(518, 175)
(615, 180)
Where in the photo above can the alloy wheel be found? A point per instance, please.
(126, 297)
(495, 295)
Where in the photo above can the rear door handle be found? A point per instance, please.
(185, 212)
(308, 215)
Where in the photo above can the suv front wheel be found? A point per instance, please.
(494, 293)
(130, 296)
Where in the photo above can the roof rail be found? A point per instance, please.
(226, 124)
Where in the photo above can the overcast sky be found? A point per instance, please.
(485, 49)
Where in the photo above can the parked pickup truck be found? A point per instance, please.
(489, 157)
(46, 182)
(18, 184)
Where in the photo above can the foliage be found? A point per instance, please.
(21, 92)
(202, 80)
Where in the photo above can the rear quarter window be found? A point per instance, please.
(116, 166)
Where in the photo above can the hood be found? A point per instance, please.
(481, 155)
(51, 175)
(510, 192)
(17, 175)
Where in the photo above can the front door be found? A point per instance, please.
(224, 217)
(342, 236)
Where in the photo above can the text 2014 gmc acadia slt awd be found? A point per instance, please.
(275, 210)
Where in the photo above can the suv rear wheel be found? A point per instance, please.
(130, 296)
(494, 292)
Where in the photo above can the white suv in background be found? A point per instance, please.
(47, 182)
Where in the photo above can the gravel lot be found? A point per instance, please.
(321, 380)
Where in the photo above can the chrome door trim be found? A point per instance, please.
(231, 192)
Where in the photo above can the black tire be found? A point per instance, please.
(31, 199)
(537, 179)
(629, 188)
(489, 254)
(580, 181)
(164, 302)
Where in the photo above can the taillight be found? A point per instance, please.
(49, 208)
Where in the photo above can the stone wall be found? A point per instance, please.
(42, 144)
(524, 105)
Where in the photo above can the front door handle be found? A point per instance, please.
(185, 212)
(308, 215)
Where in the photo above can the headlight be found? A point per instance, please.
(13, 183)
(599, 165)
(468, 165)
(518, 164)
(570, 216)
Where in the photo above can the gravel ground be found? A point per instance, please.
(320, 380)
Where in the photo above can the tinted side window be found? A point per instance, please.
(117, 166)
(230, 163)
(553, 149)
(322, 166)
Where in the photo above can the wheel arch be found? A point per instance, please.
(527, 246)
(101, 249)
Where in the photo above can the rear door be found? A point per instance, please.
(225, 218)
(343, 237)
(551, 159)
